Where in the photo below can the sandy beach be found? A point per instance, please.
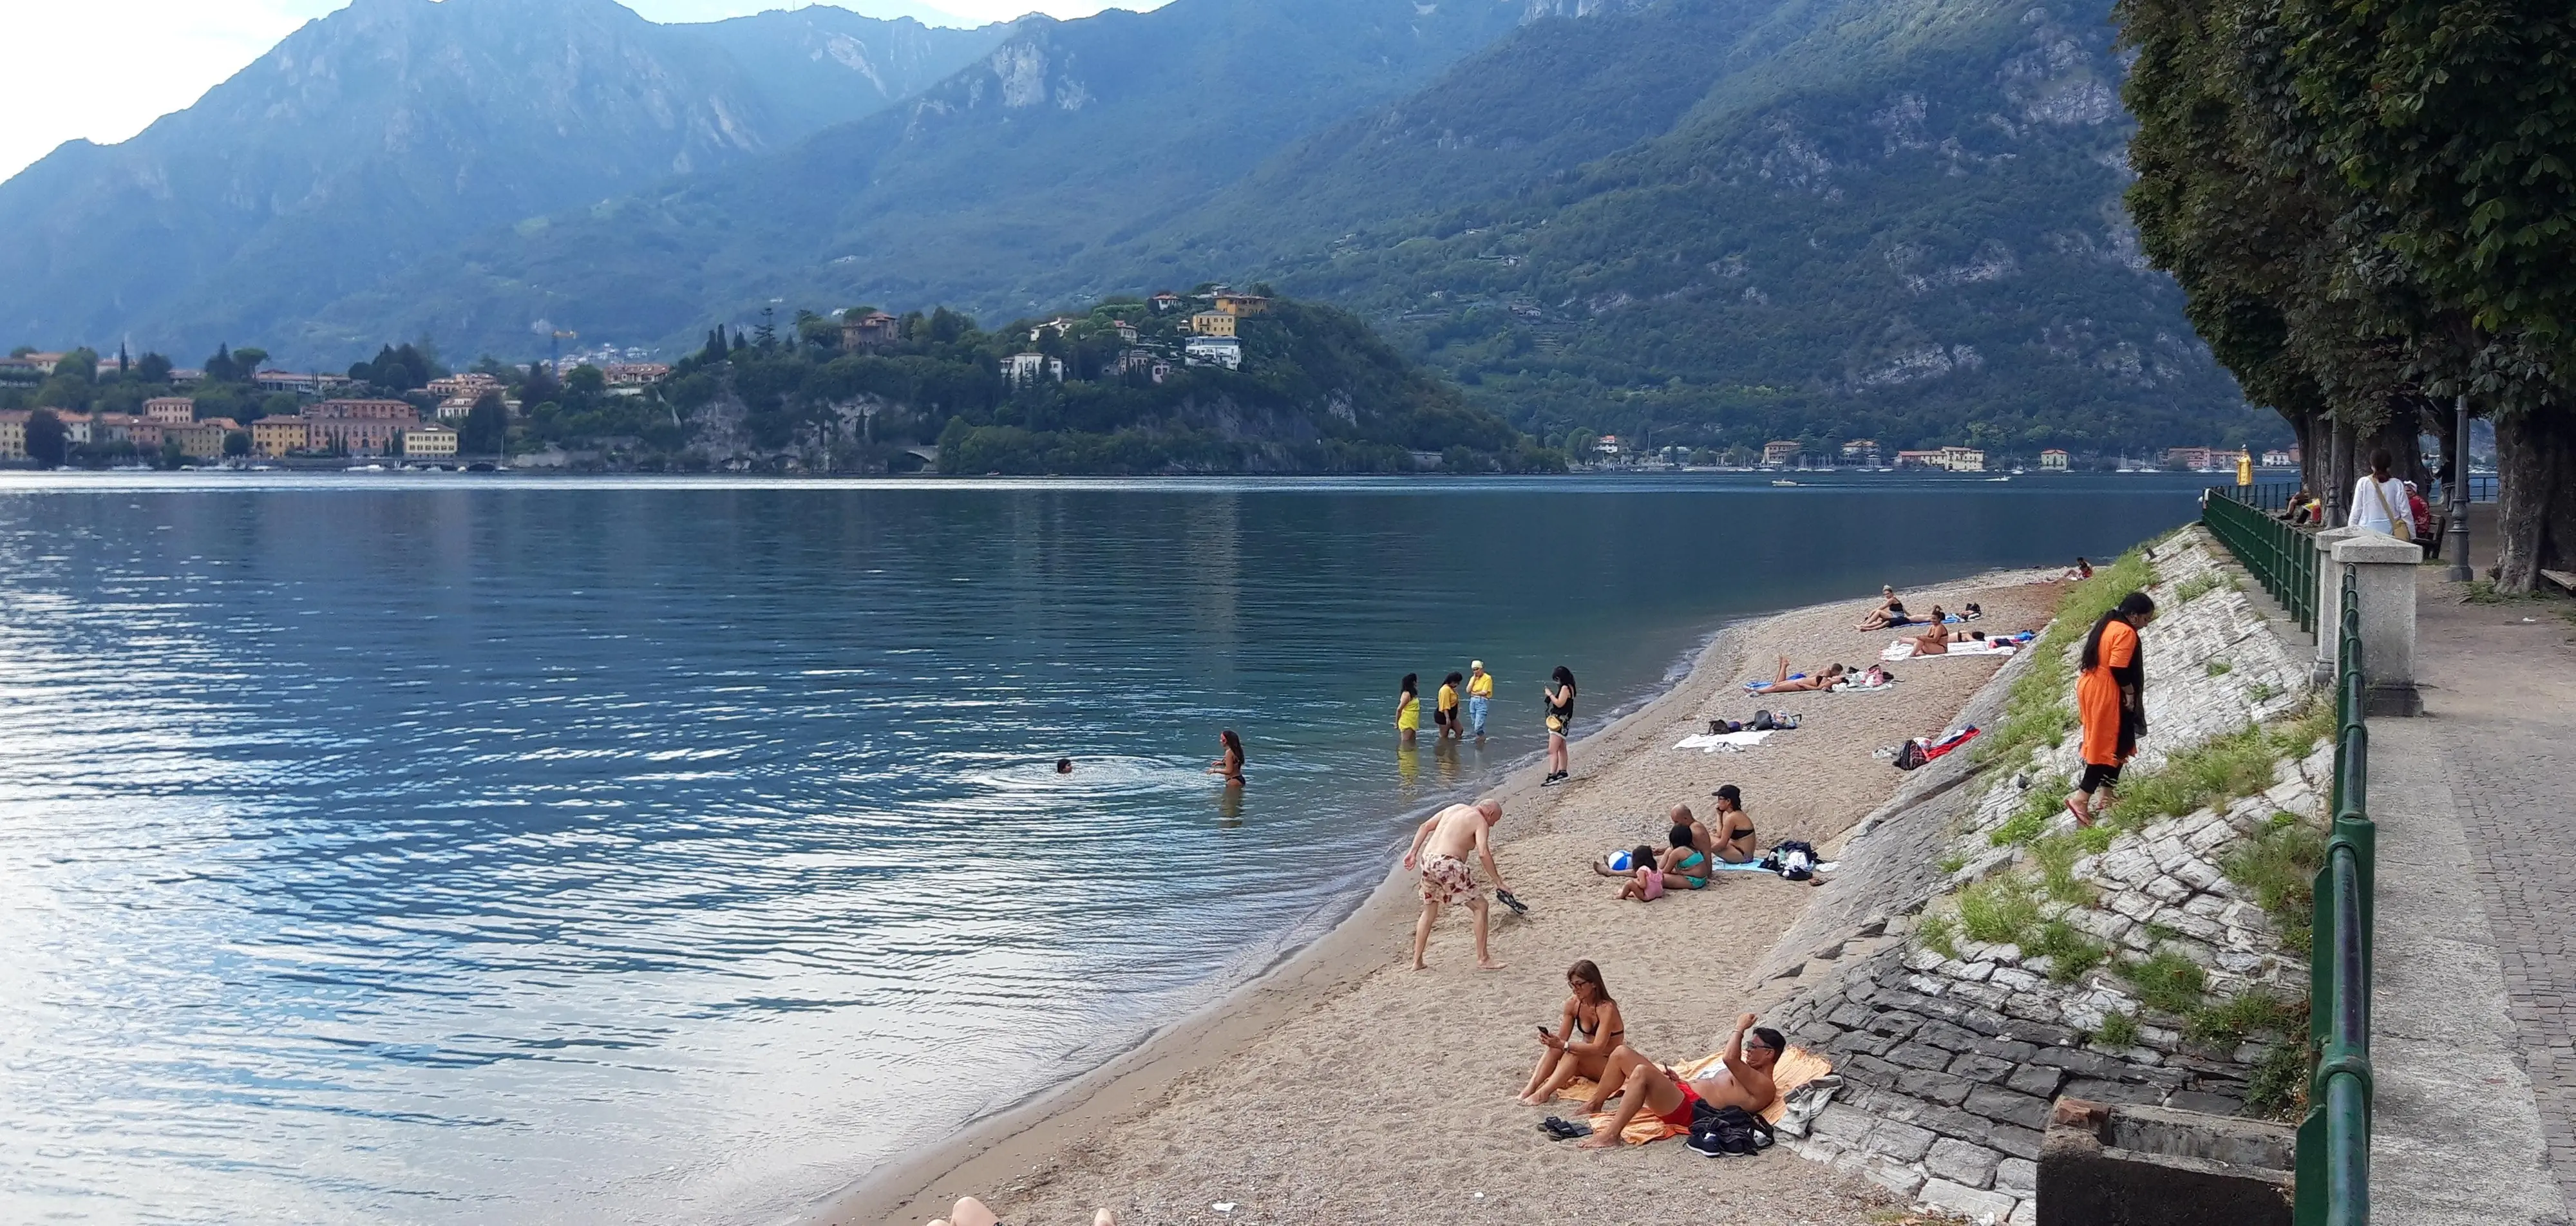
(1343, 1087)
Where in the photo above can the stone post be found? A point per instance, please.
(2329, 603)
(2384, 582)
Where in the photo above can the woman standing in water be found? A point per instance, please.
(1560, 725)
(2110, 698)
(1229, 764)
(1408, 709)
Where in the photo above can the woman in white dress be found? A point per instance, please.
(2379, 500)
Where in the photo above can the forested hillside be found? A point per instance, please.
(384, 133)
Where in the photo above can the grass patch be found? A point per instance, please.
(2056, 858)
(2279, 868)
(2118, 1030)
(1935, 934)
(2260, 691)
(2248, 1013)
(2278, 1085)
(2197, 586)
(1953, 863)
(1998, 910)
(2024, 828)
(2220, 668)
(2069, 952)
(2166, 980)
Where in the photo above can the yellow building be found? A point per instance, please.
(13, 434)
(203, 440)
(170, 410)
(1212, 323)
(276, 436)
(429, 443)
(1242, 304)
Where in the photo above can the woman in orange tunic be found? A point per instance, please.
(2110, 699)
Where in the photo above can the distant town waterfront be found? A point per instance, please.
(417, 849)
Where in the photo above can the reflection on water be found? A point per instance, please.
(484, 851)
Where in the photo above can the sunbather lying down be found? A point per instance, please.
(1784, 684)
(1643, 1085)
(971, 1212)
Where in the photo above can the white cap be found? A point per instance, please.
(1478, 665)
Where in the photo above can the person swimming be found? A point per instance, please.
(1229, 762)
(1064, 766)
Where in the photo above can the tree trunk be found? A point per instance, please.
(2534, 526)
(2338, 474)
(2402, 437)
(2311, 463)
(2444, 422)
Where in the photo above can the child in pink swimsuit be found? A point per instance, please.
(1645, 881)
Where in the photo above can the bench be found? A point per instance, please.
(2564, 581)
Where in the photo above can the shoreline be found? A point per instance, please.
(1029, 1142)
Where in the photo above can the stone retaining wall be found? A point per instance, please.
(1951, 1063)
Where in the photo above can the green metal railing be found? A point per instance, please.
(2280, 555)
(2334, 1139)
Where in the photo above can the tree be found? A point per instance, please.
(487, 427)
(220, 368)
(152, 368)
(246, 363)
(587, 379)
(48, 440)
(171, 455)
(81, 363)
(236, 443)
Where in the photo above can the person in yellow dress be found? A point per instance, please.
(1480, 695)
(1408, 709)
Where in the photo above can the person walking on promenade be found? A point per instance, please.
(1441, 847)
(1480, 695)
(1408, 709)
(2110, 699)
(2379, 500)
(1446, 713)
(1560, 725)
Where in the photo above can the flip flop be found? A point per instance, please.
(1564, 1130)
(1505, 897)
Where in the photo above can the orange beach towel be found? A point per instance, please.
(1796, 1067)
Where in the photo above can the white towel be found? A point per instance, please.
(1714, 741)
(1903, 649)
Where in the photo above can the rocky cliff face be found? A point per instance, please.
(391, 128)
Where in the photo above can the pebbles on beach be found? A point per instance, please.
(1381, 1095)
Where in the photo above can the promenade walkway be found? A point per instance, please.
(2475, 1021)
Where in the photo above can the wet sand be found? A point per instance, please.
(1344, 1087)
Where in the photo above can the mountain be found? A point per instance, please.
(383, 133)
(1066, 136)
(1732, 221)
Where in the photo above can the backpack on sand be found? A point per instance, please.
(1793, 860)
(1728, 1132)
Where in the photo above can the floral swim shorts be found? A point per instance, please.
(1447, 879)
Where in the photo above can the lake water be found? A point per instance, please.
(474, 849)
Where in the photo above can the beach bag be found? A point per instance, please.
(1793, 860)
(1718, 1132)
(2400, 526)
(1762, 722)
(1911, 756)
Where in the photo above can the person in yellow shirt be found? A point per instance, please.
(1445, 714)
(1408, 710)
(1480, 695)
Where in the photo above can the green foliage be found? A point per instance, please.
(2165, 980)
(2213, 772)
(2279, 868)
(2218, 668)
(2196, 587)
(2056, 857)
(487, 427)
(2118, 1030)
(2278, 1085)
(1936, 933)
(48, 440)
(1998, 910)
(2247, 1013)
(1953, 863)
(2070, 954)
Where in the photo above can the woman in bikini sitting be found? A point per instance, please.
(1890, 612)
(1734, 841)
(1685, 866)
(1784, 684)
(1589, 1030)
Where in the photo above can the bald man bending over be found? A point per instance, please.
(1441, 847)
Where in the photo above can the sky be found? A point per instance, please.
(108, 68)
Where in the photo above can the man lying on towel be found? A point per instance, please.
(1642, 1085)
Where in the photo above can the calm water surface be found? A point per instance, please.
(468, 849)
